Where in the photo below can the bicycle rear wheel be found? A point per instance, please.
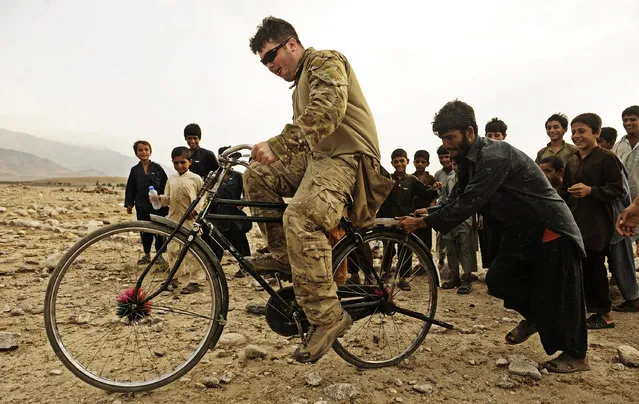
(104, 337)
(387, 327)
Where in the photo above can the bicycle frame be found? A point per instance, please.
(211, 185)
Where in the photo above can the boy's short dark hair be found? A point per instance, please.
(192, 129)
(399, 153)
(441, 150)
(422, 154)
(272, 29)
(590, 119)
(559, 117)
(632, 110)
(496, 125)
(556, 162)
(609, 134)
(181, 151)
(454, 115)
(139, 142)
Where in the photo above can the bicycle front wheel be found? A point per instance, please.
(391, 291)
(99, 331)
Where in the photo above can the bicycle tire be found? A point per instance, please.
(380, 335)
(111, 348)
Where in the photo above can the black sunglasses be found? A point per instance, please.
(270, 55)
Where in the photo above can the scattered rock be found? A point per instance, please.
(341, 391)
(8, 340)
(502, 362)
(211, 382)
(27, 223)
(313, 379)
(55, 372)
(628, 355)
(227, 377)
(222, 353)
(2, 209)
(423, 388)
(256, 308)
(52, 261)
(505, 382)
(255, 352)
(524, 366)
(17, 311)
(544, 372)
(231, 339)
(618, 366)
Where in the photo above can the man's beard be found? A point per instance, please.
(463, 148)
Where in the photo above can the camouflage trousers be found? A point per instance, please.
(320, 187)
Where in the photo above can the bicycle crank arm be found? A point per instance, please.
(423, 317)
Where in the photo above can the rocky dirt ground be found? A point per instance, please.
(468, 364)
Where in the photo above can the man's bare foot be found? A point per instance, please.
(565, 363)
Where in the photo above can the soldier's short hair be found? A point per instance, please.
(496, 125)
(274, 30)
(455, 115)
(632, 110)
(559, 117)
(399, 153)
(590, 119)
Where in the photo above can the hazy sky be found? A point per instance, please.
(110, 72)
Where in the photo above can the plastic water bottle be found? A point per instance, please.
(155, 199)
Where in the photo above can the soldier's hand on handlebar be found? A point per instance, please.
(262, 153)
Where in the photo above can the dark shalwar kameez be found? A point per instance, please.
(137, 194)
(541, 280)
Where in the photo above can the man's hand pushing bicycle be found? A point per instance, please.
(415, 222)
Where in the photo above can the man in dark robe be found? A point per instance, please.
(536, 269)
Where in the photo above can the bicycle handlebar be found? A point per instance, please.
(233, 149)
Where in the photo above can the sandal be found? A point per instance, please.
(629, 306)
(451, 284)
(192, 287)
(596, 322)
(565, 363)
(144, 260)
(403, 285)
(465, 288)
(521, 333)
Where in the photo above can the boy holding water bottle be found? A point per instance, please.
(181, 189)
(143, 175)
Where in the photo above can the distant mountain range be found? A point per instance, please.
(27, 157)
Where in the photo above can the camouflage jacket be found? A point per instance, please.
(330, 114)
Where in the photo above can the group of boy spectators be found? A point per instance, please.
(597, 177)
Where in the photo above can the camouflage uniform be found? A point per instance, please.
(319, 155)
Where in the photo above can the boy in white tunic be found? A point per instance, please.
(180, 190)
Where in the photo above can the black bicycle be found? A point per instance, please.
(123, 327)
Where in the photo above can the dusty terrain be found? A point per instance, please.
(458, 365)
